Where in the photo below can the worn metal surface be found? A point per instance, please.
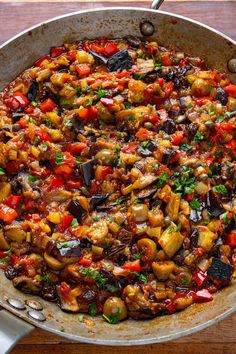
(170, 30)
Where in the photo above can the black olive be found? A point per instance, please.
(33, 91)
(220, 272)
(222, 96)
(49, 291)
(88, 171)
(70, 248)
(98, 199)
(76, 209)
(11, 273)
(168, 126)
(120, 61)
(214, 205)
(88, 295)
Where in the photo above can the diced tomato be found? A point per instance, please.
(177, 138)
(189, 197)
(13, 167)
(175, 157)
(166, 60)
(11, 103)
(23, 122)
(131, 147)
(45, 136)
(202, 100)
(106, 170)
(83, 69)
(230, 239)
(72, 55)
(97, 48)
(55, 52)
(22, 99)
(108, 102)
(168, 89)
(13, 201)
(160, 81)
(92, 113)
(200, 251)
(111, 49)
(7, 214)
(48, 105)
(132, 266)
(15, 139)
(64, 169)
(122, 75)
(76, 148)
(210, 161)
(40, 60)
(74, 184)
(202, 295)
(83, 113)
(154, 118)
(229, 127)
(199, 277)
(170, 306)
(66, 221)
(56, 182)
(65, 290)
(144, 134)
(231, 145)
(86, 260)
(231, 90)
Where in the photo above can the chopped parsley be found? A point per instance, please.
(87, 88)
(89, 101)
(198, 137)
(142, 278)
(128, 105)
(136, 256)
(117, 149)
(136, 201)
(2, 171)
(36, 142)
(81, 317)
(90, 273)
(32, 178)
(195, 204)
(212, 110)
(162, 179)
(5, 260)
(179, 227)
(74, 223)
(45, 278)
(22, 137)
(183, 182)
(93, 310)
(139, 76)
(120, 136)
(118, 201)
(59, 158)
(114, 317)
(190, 105)
(221, 189)
(78, 91)
(63, 245)
(100, 93)
(78, 160)
(225, 217)
(186, 147)
(96, 218)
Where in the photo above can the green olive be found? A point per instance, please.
(148, 247)
(139, 212)
(115, 306)
(106, 156)
(200, 88)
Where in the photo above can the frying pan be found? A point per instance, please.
(24, 312)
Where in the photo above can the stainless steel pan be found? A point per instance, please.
(19, 53)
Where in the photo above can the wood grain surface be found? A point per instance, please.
(16, 16)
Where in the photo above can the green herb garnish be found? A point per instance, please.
(93, 310)
(221, 189)
(186, 147)
(36, 142)
(63, 245)
(32, 178)
(114, 317)
(136, 256)
(162, 179)
(90, 273)
(2, 171)
(195, 204)
(74, 223)
(100, 93)
(128, 105)
(59, 158)
(89, 101)
(136, 201)
(198, 137)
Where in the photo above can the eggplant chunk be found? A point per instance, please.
(88, 171)
(120, 61)
(75, 208)
(220, 272)
(70, 248)
(33, 91)
(98, 199)
(214, 205)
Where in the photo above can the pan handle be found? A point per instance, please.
(12, 329)
(156, 4)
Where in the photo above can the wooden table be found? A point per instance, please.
(16, 16)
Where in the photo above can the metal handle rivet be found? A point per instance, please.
(232, 65)
(35, 305)
(146, 28)
(38, 316)
(17, 304)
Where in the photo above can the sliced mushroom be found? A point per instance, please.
(52, 262)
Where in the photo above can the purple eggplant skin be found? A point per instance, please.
(214, 204)
(70, 248)
(120, 61)
(220, 272)
(98, 199)
(75, 208)
(87, 171)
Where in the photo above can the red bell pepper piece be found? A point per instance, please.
(106, 170)
(229, 127)
(166, 60)
(56, 182)
(55, 51)
(170, 306)
(15, 139)
(202, 100)
(76, 148)
(168, 89)
(48, 105)
(86, 260)
(122, 75)
(23, 122)
(66, 221)
(111, 49)
(230, 239)
(154, 118)
(132, 266)
(131, 147)
(74, 184)
(13, 201)
(231, 145)
(83, 113)
(7, 214)
(65, 290)
(231, 90)
(97, 48)
(11, 103)
(177, 138)
(108, 102)
(29, 110)
(64, 169)
(13, 167)
(83, 69)
(92, 113)
(199, 277)
(144, 134)
(202, 295)
(72, 55)
(22, 99)
(40, 60)
(189, 197)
